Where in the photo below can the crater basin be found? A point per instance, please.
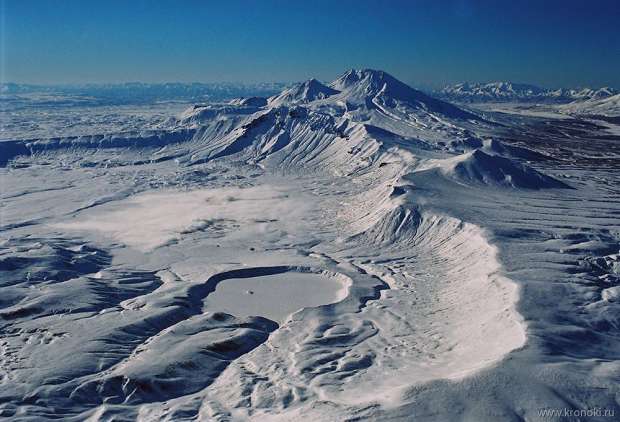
(275, 296)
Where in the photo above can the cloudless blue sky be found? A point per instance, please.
(547, 42)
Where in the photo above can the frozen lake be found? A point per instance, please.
(274, 296)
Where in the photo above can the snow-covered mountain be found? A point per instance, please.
(490, 91)
(379, 89)
(357, 95)
(305, 92)
(509, 91)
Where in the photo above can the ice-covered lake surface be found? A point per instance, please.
(348, 251)
(274, 296)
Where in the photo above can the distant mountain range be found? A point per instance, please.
(144, 92)
(280, 93)
(509, 91)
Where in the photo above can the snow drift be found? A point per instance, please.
(480, 168)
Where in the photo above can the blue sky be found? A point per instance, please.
(426, 43)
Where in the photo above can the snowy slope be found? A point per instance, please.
(607, 106)
(480, 167)
(302, 93)
(383, 90)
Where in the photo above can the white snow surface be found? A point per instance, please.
(276, 296)
(348, 251)
(607, 106)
